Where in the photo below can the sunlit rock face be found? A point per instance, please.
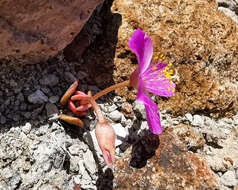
(32, 31)
(171, 167)
(198, 39)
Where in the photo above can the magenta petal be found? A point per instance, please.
(153, 119)
(143, 97)
(161, 88)
(141, 45)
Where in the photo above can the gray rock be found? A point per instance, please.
(15, 181)
(20, 97)
(51, 109)
(119, 99)
(54, 99)
(12, 177)
(229, 179)
(229, 8)
(74, 164)
(49, 80)
(26, 128)
(108, 108)
(27, 115)
(16, 117)
(139, 109)
(89, 162)
(189, 117)
(75, 149)
(198, 120)
(121, 133)
(3, 119)
(125, 122)
(42, 130)
(38, 97)
(115, 116)
(69, 77)
(82, 75)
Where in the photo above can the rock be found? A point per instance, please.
(82, 75)
(3, 119)
(228, 7)
(121, 133)
(192, 137)
(29, 37)
(170, 167)
(108, 108)
(16, 117)
(75, 149)
(54, 99)
(189, 42)
(127, 109)
(115, 116)
(26, 128)
(69, 77)
(38, 97)
(89, 162)
(198, 120)
(139, 109)
(49, 80)
(51, 109)
(229, 179)
(189, 117)
(20, 97)
(90, 31)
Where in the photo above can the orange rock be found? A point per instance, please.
(171, 166)
(199, 40)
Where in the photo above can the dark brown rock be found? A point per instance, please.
(32, 31)
(172, 167)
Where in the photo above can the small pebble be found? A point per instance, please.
(115, 116)
(198, 120)
(121, 133)
(38, 97)
(54, 99)
(26, 128)
(51, 109)
(3, 119)
(229, 179)
(49, 80)
(189, 117)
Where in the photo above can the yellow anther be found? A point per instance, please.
(162, 55)
(168, 88)
(155, 68)
(173, 89)
(170, 64)
(158, 53)
(156, 58)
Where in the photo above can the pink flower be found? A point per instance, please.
(148, 77)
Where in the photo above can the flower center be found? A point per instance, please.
(167, 72)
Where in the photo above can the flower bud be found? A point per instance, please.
(106, 140)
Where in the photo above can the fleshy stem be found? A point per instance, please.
(111, 88)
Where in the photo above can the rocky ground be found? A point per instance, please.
(38, 151)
